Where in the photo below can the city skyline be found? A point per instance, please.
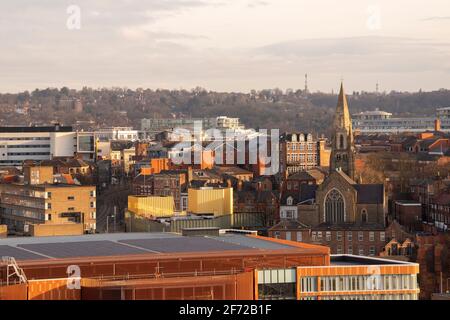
(225, 45)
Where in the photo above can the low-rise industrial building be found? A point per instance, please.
(166, 266)
(210, 200)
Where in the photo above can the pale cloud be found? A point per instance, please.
(437, 19)
(232, 45)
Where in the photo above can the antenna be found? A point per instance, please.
(306, 83)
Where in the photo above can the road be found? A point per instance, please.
(115, 196)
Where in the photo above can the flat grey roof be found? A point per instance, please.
(31, 248)
(19, 254)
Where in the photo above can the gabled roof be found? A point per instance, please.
(289, 224)
(443, 198)
(302, 175)
(346, 177)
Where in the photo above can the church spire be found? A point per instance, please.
(342, 117)
(343, 150)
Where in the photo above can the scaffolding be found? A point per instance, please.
(14, 274)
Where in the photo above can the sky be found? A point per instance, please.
(225, 45)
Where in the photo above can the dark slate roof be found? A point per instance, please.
(306, 192)
(256, 196)
(302, 175)
(427, 157)
(143, 179)
(350, 227)
(55, 128)
(121, 145)
(370, 193)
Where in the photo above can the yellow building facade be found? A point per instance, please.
(217, 201)
(152, 206)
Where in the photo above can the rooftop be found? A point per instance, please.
(352, 260)
(18, 129)
(122, 244)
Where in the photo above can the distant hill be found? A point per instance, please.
(272, 108)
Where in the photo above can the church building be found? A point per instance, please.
(347, 216)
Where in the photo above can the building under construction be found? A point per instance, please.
(225, 265)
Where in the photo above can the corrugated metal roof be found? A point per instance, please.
(250, 242)
(186, 244)
(82, 249)
(29, 248)
(19, 254)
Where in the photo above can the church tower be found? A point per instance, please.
(343, 149)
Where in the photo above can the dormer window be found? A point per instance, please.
(290, 201)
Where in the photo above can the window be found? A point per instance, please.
(277, 234)
(339, 249)
(70, 198)
(328, 236)
(93, 215)
(341, 141)
(371, 236)
(288, 235)
(299, 236)
(48, 216)
(71, 209)
(49, 195)
(339, 236)
(309, 284)
(49, 205)
(92, 193)
(290, 200)
(382, 236)
(364, 217)
(350, 236)
(319, 235)
(360, 236)
(350, 249)
(314, 236)
(372, 251)
(334, 207)
(92, 204)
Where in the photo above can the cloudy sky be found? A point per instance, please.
(226, 45)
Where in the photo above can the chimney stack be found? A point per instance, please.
(437, 125)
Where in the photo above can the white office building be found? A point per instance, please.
(36, 143)
(376, 122)
(117, 133)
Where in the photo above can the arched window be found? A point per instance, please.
(334, 207)
(290, 201)
(294, 138)
(364, 217)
